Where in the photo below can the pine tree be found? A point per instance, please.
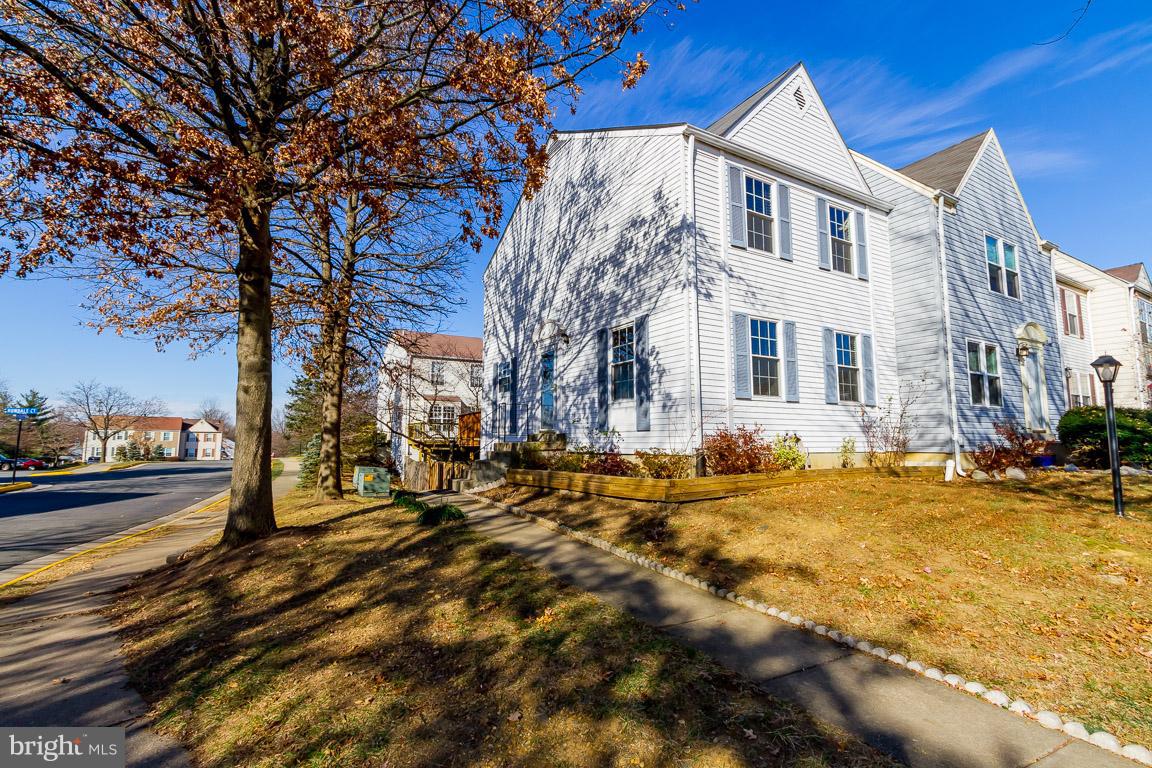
(309, 464)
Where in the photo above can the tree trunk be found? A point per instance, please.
(250, 513)
(329, 483)
(103, 450)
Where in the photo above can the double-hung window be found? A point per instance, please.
(1081, 389)
(476, 375)
(848, 367)
(765, 358)
(437, 372)
(758, 207)
(623, 362)
(1073, 321)
(1145, 310)
(840, 230)
(984, 374)
(504, 377)
(1003, 271)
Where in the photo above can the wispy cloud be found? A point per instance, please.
(684, 83)
(890, 115)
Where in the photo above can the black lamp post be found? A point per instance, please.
(1106, 368)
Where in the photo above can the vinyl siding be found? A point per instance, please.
(1114, 324)
(601, 244)
(806, 138)
(762, 285)
(1077, 351)
(919, 310)
(989, 203)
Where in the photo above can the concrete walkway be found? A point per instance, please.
(60, 658)
(916, 720)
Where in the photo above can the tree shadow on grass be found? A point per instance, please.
(368, 640)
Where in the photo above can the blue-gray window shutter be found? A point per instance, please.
(643, 378)
(496, 402)
(741, 357)
(513, 424)
(784, 215)
(791, 364)
(822, 228)
(861, 247)
(868, 364)
(738, 233)
(831, 380)
(602, 379)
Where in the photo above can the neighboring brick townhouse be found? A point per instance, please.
(180, 439)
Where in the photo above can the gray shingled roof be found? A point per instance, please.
(945, 169)
(737, 113)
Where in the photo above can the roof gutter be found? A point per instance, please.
(788, 169)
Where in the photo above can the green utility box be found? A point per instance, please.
(371, 481)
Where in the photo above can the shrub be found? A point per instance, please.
(1084, 434)
(566, 461)
(610, 463)
(848, 452)
(662, 465)
(1014, 447)
(786, 452)
(735, 451)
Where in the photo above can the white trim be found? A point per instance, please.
(773, 201)
(895, 175)
(612, 399)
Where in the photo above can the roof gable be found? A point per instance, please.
(948, 168)
(787, 119)
(1130, 273)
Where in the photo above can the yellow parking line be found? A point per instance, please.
(17, 486)
(110, 543)
(49, 474)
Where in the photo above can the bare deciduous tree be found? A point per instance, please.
(105, 410)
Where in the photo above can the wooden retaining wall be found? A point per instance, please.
(699, 488)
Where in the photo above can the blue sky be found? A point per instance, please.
(902, 80)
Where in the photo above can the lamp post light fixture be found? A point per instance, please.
(1106, 368)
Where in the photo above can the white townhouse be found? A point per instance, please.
(427, 382)
(978, 334)
(670, 279)
(1108, 311)
(176, 438)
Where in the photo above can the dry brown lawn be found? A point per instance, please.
(359, 638)
(1033, 588)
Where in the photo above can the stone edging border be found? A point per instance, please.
(1048, 719)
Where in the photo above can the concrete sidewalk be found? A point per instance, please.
(60, 658)
(916, 720)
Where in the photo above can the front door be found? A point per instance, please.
(548, 391)
(1034, 392)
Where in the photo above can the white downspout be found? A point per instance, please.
(952, 410)
(693, 394)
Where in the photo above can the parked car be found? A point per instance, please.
(30, 464)
(5, 463)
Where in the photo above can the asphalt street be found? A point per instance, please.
(66, 510)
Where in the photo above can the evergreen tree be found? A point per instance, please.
(134, 453)
(303, 413)
(309, 464)
(158, 453)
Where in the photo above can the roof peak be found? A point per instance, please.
(733, 116)
(946, 168)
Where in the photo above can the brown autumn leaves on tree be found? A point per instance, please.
(159, 139)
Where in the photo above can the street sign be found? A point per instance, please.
(21, 413)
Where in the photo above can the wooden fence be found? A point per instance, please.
(432, 475)
(699, 488)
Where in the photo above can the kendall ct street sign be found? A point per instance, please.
(21, 413)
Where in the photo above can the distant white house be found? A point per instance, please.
(428, 381)
(177, 438)
(1106, 311)
(670, 280)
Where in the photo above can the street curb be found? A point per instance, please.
(20, 486)
(1100, 739)
(23, 571)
